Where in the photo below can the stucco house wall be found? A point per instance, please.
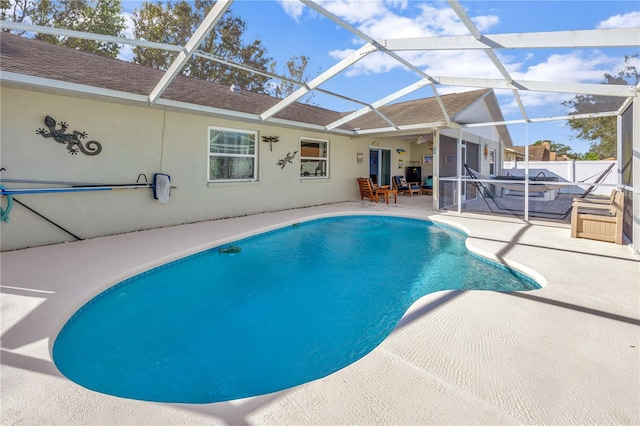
(479, 136)
(139, 140)
(109, 100)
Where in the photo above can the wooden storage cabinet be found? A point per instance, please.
(413, 174)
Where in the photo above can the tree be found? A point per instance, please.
(296, 68)
(601, 131)
(15, 10)
(171, 23)
(92, 16)
(588, 156)
(174, 23)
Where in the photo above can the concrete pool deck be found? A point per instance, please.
(565, 354)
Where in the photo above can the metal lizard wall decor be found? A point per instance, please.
(74, 144)
(287, 159)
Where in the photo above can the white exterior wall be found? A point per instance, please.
(418, 151)
(144, 140)
(480, 136)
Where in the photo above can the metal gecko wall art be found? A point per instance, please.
(287, 159)
(74, 144)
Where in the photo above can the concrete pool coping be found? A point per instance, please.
(565, 354)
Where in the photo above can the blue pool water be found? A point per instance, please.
(292, 306)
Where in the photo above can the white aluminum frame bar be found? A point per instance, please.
(455, 5)
(331, 72)
(618, 37)
(374, 106)
(541, 86)
(87, 36)
(381, 46)
(543, 119)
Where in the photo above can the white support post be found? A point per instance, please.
(436, 170)
(526, 173)
(635, 227)
(572, 174)
(459, 165)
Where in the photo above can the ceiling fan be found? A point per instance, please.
(420, 139)
(423, 138)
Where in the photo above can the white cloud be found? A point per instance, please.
(484, 23)
(393, 26)
(355, 11)
(126, 52)
(628, 20)
(388, 19)
(549, 103)
(397, 4)
(440, 21)
(341, 54)
(380, 22)
(577, 66)
(399, 19)
(459, 64)
(292, 8)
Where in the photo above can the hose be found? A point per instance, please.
(4, 213)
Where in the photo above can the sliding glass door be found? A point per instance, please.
(380, 165)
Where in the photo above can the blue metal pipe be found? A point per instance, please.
(17, 191)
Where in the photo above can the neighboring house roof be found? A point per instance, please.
(513, 154)
(536, 152)
(44, 60)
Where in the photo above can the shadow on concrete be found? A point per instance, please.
(30, 363)
(413, 316)
(575, 307)
(234, 412)
(231, 413)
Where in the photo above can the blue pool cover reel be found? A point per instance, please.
(161, 187)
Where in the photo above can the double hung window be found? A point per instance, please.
(314, 158)
(232, 155)
(492, 162)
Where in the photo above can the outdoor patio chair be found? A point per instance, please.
(427, 186)
(597, 221)
(404, 187)
(369, 190)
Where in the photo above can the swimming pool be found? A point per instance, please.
(293, 305)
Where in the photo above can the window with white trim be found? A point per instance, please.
(232, 155)
(492, 162)
(314, 158)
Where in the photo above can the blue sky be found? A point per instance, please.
(288, 28)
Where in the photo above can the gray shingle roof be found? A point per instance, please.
(39, 59)
(425, 110)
